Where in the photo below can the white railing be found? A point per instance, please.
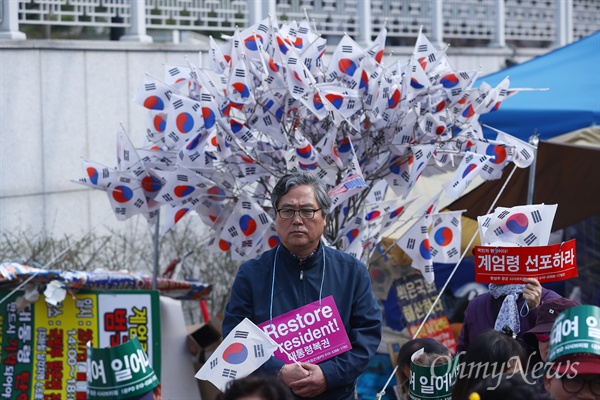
(461, 22)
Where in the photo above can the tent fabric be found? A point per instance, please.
(572, 75)
(565, 174)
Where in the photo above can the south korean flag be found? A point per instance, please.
(243, 351)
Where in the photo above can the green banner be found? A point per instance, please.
(43, 348)
(119, 372)
(432, 382)
(576, 330)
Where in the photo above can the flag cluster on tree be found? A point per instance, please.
(218, 139)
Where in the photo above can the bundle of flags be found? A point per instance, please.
(272, 102)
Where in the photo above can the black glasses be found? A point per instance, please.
(289, 213)
(576, 384)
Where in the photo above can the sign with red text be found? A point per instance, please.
(312, 333)
(504, 265)
(43, 352)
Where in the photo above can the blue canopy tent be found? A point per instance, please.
(572, 75)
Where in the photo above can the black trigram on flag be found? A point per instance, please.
(498, 231)
(525, 154)
(241, 335)
(263, 218)
(452, 252)
(174, 71)
(229, 373)
(411, 243)
(422, 48)
(537, 217)
(530, 239)
(503, 214)
(213, 363)
(346, 49)
(259, 351)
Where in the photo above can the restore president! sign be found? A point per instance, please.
(312, 333)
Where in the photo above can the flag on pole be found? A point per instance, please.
(528, 225)
(522, 153)
(242, 352)
(469, 168)
(345, 62)
(184, 121)
(446, 237)
(494, 165)
(154, 94)
(177, 76)
(126, 196)
(415, 243)
(217, 60)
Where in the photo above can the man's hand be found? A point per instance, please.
(312, 385)
(292, 372)
(532, 292)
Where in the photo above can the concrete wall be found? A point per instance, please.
(63, 100)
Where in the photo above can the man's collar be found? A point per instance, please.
(303, 260)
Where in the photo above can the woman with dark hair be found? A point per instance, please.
(509, 386)
(490, 354)
(257, 388)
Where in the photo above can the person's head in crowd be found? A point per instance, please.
(574, 376)
(256, 388)
(508, 387)
(301, 206)
(431, 347)
(491, 353)
(538, 337)
(574, 355)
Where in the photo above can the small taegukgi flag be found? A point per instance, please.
(528, 225)
(243, 351)
(415, 243)
(445, 237)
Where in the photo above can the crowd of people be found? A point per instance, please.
(503, 352)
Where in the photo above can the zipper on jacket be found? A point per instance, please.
(301, 274)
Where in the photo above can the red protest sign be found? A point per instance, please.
(504, 265)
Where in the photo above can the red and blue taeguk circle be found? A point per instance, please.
(517, 223)
(235, 353)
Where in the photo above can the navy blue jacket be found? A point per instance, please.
(297, 284)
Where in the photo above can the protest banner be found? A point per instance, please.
(432, 381)
(504, 265)
(43, 347)
(415, 297)
(312, 333)
(119, 372)
(575, 330)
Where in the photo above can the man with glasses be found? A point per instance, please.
(574, 355)
(301, 271)
(575, 376)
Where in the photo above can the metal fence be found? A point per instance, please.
(540, 23)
